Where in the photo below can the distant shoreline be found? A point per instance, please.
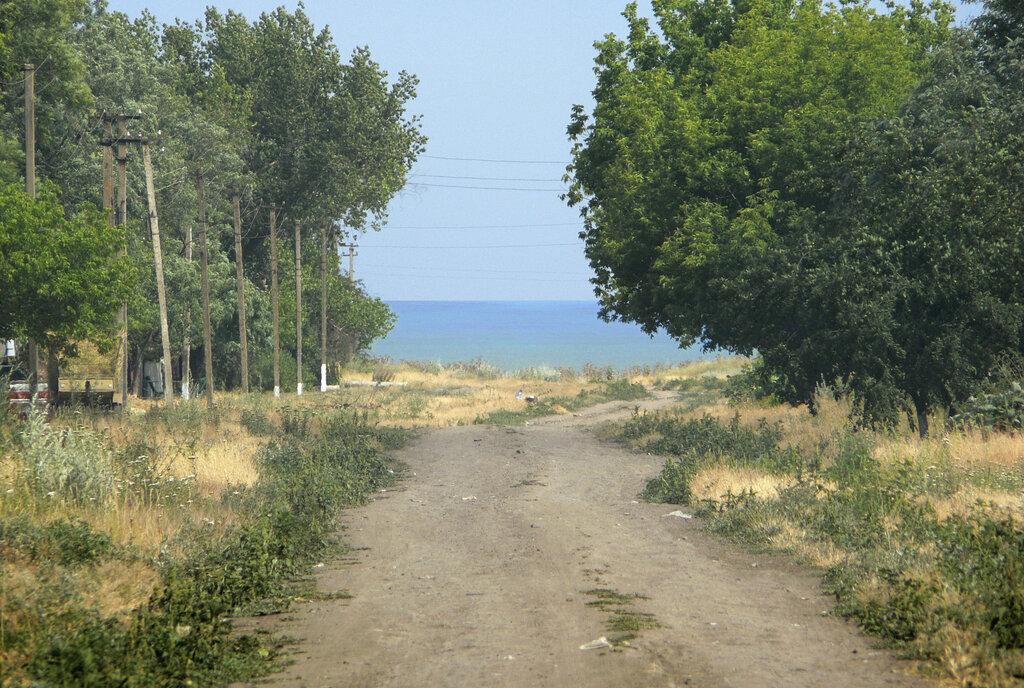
(524, 335)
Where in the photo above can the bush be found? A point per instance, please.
(257, 422)
(999, 410)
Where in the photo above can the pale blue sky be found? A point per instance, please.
(497, 82)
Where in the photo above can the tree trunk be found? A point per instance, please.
(921, 409)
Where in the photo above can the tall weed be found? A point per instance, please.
(73, 464)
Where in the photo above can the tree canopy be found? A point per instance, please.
(831, 187)
(60, 277)
(266, 108)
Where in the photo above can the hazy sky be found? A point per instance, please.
(481, 217)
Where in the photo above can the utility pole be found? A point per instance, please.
(204, 262)
(274, 305)
(351, 261)
(108, 167)
(298, 308)
(158, 262)
(30, 189)
(242, 340)
(186, 344)
(323, 308)
(121, 218)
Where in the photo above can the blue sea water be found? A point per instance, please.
(522, 334)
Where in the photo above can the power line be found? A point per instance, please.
(487, 279)
(514, 162)
(561, 273)
(536, 226)
(485, 188)
(489, 179)
(463, 246)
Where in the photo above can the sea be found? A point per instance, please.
(516, 335)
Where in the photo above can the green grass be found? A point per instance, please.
(622, 620)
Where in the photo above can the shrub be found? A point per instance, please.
(257, 422)
(999, 410)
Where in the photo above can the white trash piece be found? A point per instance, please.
(678, 514)
(600, 643)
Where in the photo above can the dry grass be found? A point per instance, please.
(715, 481)
(718, 367)
(965, 500)
(968, 450)
(223, 463)
(449, 397)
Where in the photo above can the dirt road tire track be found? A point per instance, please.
(472, 574)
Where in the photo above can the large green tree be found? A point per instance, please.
(60, 277)
(709, 171)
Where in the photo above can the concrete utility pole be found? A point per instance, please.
(121, 215)
(204, 262)
(298, 308)
(120, 204)
(30, 189)
(323, 308)
(158, 262)
(274, 305)
(186, 344)
(242, 340)
(108, 168)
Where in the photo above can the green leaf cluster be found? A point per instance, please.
(831, 187)
(268, 108)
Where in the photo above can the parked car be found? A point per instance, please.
(14, 385)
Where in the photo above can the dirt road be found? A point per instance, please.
(473, 573)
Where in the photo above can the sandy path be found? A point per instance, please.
(473, 572)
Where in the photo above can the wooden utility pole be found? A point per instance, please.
(186, 344)
(298, 308)
(204, 262)
(242, 340)
(323, 308)
(274, 305)
(30, 189)
(158, 262)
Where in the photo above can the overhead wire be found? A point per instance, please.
(496, 160)
(481, 270)
(459, 227)
(487, 179)
(484, 188)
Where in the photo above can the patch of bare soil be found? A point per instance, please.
(473, 573)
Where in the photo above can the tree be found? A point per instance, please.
(708, 173)
(60, 277)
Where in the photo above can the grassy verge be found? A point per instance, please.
(127, 541)
(612, 390)
(921, 541)
(120, 569)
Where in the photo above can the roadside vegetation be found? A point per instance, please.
(130, 541)
(919, 539)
